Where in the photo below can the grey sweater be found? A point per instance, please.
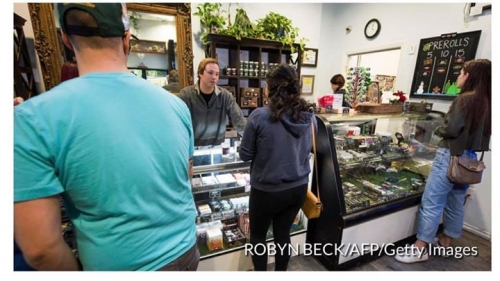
(209, 121)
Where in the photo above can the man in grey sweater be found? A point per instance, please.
(210, 105)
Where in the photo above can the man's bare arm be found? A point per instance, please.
(37, 231)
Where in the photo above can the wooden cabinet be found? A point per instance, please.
(244, 64)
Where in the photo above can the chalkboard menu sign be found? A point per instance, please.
(439, 62)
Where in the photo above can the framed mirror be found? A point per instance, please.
(50, 51)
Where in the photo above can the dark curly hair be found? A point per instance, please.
(475, 99)
(284, 93)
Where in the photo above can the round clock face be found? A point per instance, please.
(372, 28)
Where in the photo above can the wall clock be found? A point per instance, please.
(372, 28)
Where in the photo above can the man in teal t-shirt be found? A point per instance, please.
(116, 147)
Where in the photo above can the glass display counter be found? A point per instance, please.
(372, 173)
(221, 189)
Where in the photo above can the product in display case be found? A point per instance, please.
(372, 173)
(221, 189)
(214, 239)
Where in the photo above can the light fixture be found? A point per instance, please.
(141, 55)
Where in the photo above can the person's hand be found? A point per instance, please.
(18, 100)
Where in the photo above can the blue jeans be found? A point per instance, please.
(442, 197)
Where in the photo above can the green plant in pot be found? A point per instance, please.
(277, 27)
(211, 19)
(242, 26)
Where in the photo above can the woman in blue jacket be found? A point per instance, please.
(277, 139)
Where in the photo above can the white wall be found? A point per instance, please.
(402, 25)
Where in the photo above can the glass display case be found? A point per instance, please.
(221, 189)
(372, 173)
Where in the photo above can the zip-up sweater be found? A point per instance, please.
(209, 121)
(279, 151)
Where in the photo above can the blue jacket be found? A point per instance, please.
(279, 151)
(20, 263)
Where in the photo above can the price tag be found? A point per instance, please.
(214, 194)
(247, 188)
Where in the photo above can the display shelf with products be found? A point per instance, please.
(372, 173)
(221, 190)
(245, 63)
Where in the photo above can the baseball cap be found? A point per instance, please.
(112, 19)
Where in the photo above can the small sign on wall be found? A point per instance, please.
(307, 82)
(310, 57)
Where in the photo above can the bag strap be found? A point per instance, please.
(315, 160)
(482, 153)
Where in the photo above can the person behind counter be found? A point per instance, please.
(337, 83)
(210, 105)
(278, 140)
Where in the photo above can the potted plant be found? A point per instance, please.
(211, 19)
(397, 98)
(277, 27)
(273, 26)
(242, 26)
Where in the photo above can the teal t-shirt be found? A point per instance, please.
(117, 148)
